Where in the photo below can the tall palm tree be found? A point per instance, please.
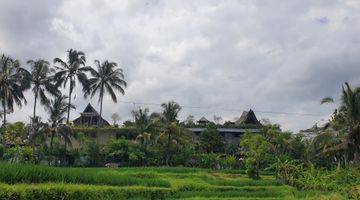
(57, 108)
(13, 81)
(42, 82)
(73, 68)
(350, 116)
(171, 111)
(36, 129)
(170, 114)
(105, 79)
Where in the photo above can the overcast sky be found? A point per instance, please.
(222, 56)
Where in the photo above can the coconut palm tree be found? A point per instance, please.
(42, 82)
(74, 68)
(57, 108)
(171, 111)
(14, 80)
(105, 79)
(170, 114)
(350, 116)
(36, 130)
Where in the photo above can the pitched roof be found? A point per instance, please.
(90, 110)
(248, 118)
(203, 120)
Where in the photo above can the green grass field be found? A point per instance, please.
(41, 182)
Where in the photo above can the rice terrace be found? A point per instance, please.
(157, 99)
(35, 182)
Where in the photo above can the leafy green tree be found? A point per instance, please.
(256, 150)
(105, 79)
(14, 80)
(15, 133)
(68, 71)
(118, 150)
(171, 111)
(43, 82)
(57, 108)
(175, 140)
(36, 131)
(211, 140)
(94, 153)
(349, 115)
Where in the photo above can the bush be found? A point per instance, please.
(19, 155)
(2, 151)
(251, 168)
(210, 161)
(229, 162)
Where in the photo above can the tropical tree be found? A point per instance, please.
(13, 81)
(68, 71)
(146, 126)
(42, 82)
(211, 140)
(349, 115)
(57, 108)
(107, 78)
(36, 130)
(171, 111)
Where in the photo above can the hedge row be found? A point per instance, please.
(127, 132)
(53, 191)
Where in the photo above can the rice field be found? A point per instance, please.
(42, 182)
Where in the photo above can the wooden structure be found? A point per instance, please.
(90, 117)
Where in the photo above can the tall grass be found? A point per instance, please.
(79, 192)
(43, 182)
(16, 173)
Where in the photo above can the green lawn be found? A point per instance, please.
(41, 182)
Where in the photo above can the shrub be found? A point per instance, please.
(229, 162)
(2, 151)
(19, 155)
(210, 161)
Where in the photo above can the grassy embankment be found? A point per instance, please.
(41, 182)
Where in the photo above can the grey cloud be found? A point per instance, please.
(225, 55)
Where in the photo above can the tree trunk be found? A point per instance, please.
(101, 105)
(35, 100)
(68, 114)
(51, 144)
(168, 147)
(4, 109)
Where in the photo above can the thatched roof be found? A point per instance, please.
(247, 117)
(203, 120)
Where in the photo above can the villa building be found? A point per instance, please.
(90, 117)
(231, 131)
